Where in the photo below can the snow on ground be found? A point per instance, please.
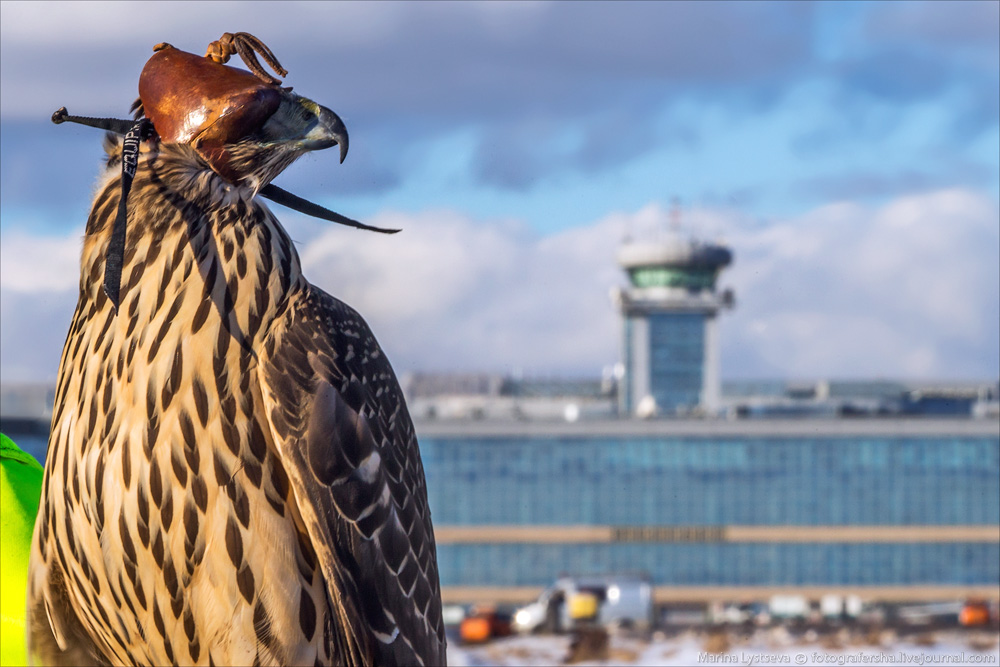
(765, 647)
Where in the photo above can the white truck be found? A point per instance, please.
(613, 600)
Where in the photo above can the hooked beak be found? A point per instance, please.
(329, 130)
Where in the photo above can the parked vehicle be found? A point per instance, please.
(789, 606)
(974, 613)
(484, 622)
(622, 600)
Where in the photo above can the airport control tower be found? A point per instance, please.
(669, 342)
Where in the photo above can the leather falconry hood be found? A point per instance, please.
(200, 101)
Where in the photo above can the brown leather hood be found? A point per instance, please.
(194, 100)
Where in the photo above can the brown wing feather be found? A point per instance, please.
(344, 435)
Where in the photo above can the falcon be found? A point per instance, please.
(232, 474)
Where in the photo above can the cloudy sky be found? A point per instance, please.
(847, 152)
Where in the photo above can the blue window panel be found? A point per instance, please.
(676, 359)
(749, 564)
(697, 481)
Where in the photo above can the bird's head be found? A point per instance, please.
(246, 126)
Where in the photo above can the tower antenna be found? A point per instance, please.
(675, 215)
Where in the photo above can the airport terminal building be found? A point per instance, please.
(889, 509)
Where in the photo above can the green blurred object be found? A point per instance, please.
(20, 489)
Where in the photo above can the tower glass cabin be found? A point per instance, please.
(669, 347)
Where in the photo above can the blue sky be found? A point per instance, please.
(537, 134)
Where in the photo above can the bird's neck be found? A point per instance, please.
(197, 248)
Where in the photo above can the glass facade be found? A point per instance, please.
(670, 276)
(676, 359)
(725, 564)
(698, 481)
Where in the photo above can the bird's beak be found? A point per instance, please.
(327, 131)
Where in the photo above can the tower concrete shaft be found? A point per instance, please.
(669, 327)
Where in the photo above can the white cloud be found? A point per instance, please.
(907, 290)
(38, 264)
(39, 278)
(453, 293)
(910, 289)
(32, 332)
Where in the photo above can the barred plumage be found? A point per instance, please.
(232, 475)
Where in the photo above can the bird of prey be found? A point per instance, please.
(232, 474)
